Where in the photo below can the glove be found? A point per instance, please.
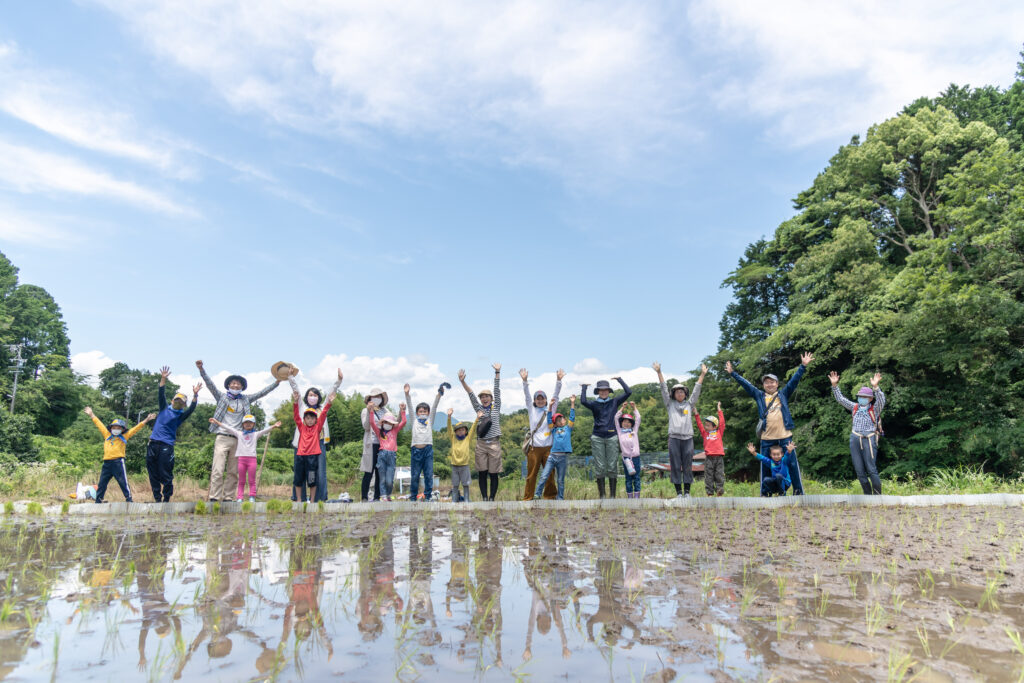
(444, 385)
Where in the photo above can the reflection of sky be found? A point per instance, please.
(99, 630)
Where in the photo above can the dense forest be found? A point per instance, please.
(904, 256)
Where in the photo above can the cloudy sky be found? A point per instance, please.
(404, 189)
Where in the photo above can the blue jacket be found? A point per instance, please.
(165, 427)
(604, 411)
(784, 393)
(561, 437)
(781, 468)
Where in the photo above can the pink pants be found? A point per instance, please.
(246, 464)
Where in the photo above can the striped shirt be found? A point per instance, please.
(495, 431)
(232, 410)
(862, 422)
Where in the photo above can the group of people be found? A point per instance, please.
(614, 439)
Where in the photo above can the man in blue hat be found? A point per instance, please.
(232, 406)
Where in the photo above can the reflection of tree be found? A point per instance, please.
(377, 594)
(610, 611)
(151, 570)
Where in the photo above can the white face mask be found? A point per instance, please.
(376, 401)
(116, 431)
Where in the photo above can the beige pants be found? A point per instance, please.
(224, 475)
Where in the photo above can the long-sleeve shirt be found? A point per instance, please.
(114, 446)
(561, 437)
(862, 421)
(680, 413)
(461, 450)
(422, 434)
(713, 441)
(165, 427)
(780, 467)
(309, 436)
(538, 416)
(230, 410)
(389, 439)
(494, 410)
(604, 411)
(629, 442)
(326, 434)
(247, 441)
(779, 401)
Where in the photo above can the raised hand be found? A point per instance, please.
(277, 424)
(480, 414)
(632, 404)
(833, 377)
(750, 447)
(806, 358)
(294, 372)
(728, 366)
(406, 388)
(617, 379)
(703, 369)
(199, 364)
(88, 411)
(657, 366)
(719, 406)
(451, 411)
(560, 374)
(523, 373)
(790, 447)
(340, 375)
(401, 406)
(497, 367)
(197, 388)
(150, 417)
(553, 405)
(164, 372)
(295, 397)
(572, 400)
(462, 375)
(875, 380)
(213, 421)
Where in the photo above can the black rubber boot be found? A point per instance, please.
(613, 484)
(482, 477)
(600, 488)
(494, 485)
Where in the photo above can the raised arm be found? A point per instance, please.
(408, 400)
(96, 421)
(401, 418)
(876, 379)
(192, 406)
(618, 425)
(572, 417)
(497, 387)
(721, 422)
(209, 382)
(451, 432)
(433, 409)
(558, 385)
(161, 393)
(698, 386)
(373, 424)
(583, 397)
(295, 413)
(747, 386)
(135, 430)
(264, 391)
(661, 383)
(700, 424)
(227, 428)
(626, 391)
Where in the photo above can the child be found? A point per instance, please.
(461, 438)
(488, 446)
(307, 453)
(604, 441)
(246, 453)
(160, 449)
(712, 430)
(680, 405)
(422, 450)
(387, 435)
(115, 441)
(314, 399)
(778, 465)
(628, 428)
(867, 412)
(561, 447)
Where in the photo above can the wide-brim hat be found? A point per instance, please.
(282, 370)
(377, 391)
(866, 392)
(488, 392)
(389, 417)
(232, 378)
(462, 425)
(603, 384)
(769, 376)
(676, 387)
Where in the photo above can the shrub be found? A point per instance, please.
(16, 436)
(201, 507)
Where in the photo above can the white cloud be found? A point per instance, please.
(820, 71)
(559, 84)
(28, 170)
(588, 365)
(91, 363)
(37, 230)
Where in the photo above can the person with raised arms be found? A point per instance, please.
(540, 434)
(867, 425)
(313, 398)
(377, 404)
(160, 449)
(680, 405)
(232, 407)
(488, 444)
(604, 441)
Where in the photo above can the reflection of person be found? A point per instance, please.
(421, 558)
(157, 614)
(458, 572)
(302, 614)
(610, 611)
(544, 606)
(487, 610)
(377, 594)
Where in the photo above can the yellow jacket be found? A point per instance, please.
(114, 448)
(461, 450)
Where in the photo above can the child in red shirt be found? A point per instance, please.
(307, 453)
(713, 432)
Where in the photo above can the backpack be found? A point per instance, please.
(876, 421)
(761, 424)
(483, 425)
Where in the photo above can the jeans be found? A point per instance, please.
(864, 452)
(794, 466)
(776, 484)
(386, 470)
(557, 462)
(422, 461)
(632, 480)
(321, 473)
(160, 466)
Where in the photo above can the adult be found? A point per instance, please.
(377, 401)
(681, 406)
(488, 447)
(604, 441)
(313, 399)
(867, 413)
(160, 449)
(773, 411)
(232, 406)
(540, 435)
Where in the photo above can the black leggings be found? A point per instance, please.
(483, 478)
(364, 488)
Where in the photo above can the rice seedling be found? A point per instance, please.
(900, 664)
(874, 617)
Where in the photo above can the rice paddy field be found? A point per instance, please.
(793, 593)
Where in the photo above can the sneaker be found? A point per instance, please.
(238, 500)
(686, 495)
(252, 499)
(679, 495)
(419, 497)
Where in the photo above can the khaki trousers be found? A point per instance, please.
(535, 461)
(224, 474)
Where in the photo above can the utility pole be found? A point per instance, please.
(128, 398)
(19, 363)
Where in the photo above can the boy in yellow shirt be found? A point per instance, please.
(115, 441)
(461, 438)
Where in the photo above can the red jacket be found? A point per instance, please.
(713, 444)
(309, 437)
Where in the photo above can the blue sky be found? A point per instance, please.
(351, 183)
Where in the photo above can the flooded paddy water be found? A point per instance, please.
(929, 594)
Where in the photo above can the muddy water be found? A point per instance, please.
(661, 596)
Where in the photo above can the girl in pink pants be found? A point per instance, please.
(246, 452)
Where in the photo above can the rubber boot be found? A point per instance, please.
(613, 484)
(600, 488)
